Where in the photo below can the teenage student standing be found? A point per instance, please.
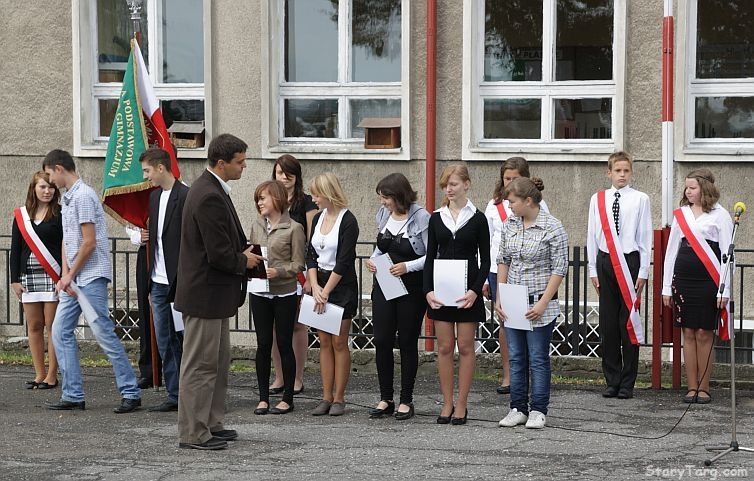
(274, 306)
(457, 231)
(402, 234)
(331, 268)
(497, 213)
(702, 229)
(533, 253)
(619, 242)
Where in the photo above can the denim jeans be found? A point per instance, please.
(67, 350)
(169, 342)
(530, 351)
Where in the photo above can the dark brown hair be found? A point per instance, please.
(514, 163)
(32, 202)
(397, 187)
(156, 156)
(291, 167)
(276, 190)
(224, 147)
(524, 187)
(710, 194)
(61, 158)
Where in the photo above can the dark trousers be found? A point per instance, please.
(145, 334)
(620, 358)
(278, 313)
(403, 316)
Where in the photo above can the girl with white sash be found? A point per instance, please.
(39, 219)
(701, 230)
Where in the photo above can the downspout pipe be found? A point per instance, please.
(431, 133)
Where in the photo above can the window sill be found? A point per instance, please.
(540, 152)
(316, 151)
(96, 151)
(718, 152)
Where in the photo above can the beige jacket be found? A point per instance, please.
(286, 245)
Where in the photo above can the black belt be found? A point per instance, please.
(535, 297)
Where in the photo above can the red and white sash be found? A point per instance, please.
(687, 222)
(502, 212)
(622, 274)
(47, 261)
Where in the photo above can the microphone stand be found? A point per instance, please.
(729, 259)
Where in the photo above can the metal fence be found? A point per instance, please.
(576, 331)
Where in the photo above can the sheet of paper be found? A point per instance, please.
(177, 318)
(328, 321)
(514, 300)
(260, 286)
(450, 280)
(392, 287)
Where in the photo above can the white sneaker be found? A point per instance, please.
(536, 420)
(514, 418)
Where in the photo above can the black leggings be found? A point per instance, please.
(279, 312)
(403, 315)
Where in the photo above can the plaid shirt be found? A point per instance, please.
(533, 255)
(80, 205)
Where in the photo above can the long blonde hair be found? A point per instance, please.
(328, 186)
(459, 170)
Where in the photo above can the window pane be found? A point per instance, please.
(380, 108)
(376, 40)
(724, 117)
(311, 40)
(583, 118)
(114, 32)
(512, 118)
(584, 49)
(182, 111)
(107, 108)
(182, 41)
(512, 40)
(311, 118)
(725, 39)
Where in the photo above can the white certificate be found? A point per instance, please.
(391, 285)
(328, 321)
(260, 286)
(450, 280)
(514, 300)
(177, 318)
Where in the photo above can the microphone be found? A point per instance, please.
(738, 209)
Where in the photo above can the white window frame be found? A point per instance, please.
(546, 148)
(689, 147)
(87, 91)
(275, 91)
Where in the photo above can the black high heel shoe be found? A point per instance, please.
(446, 419)
(400, 416)
(460, 421)
(376, 413)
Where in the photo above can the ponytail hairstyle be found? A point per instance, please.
(524, 187)
(709, 191)
(514, 163)
(459, 170)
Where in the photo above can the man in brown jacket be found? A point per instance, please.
(211, 286)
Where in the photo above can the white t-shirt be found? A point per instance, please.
(326, 246)
(159, 273)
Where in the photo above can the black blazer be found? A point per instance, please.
(211, 278)
(345, 256)
(171, 229)
(51, 235)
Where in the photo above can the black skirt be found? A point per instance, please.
(344, 295)
(694, 291)
(453, 314)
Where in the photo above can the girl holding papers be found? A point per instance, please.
(701, 230)
(401, 248)
(534, 254)
(456, 267)
(274, 307)
(29, 279)
(330, 263)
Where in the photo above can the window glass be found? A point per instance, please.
(376, 40)
(583, 118)
(182, 41)
(512, 118)
(512, 40)
(724, 117)
(584, 46)
(182, 111)
(107, 109)
(364, 108)
(311, 118)
(725, 39)
(114, 32)
(311, 40)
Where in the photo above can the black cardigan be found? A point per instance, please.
(345, 256)
(50, 233)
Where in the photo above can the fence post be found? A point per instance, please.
(576, 283)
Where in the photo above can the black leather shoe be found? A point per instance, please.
(277, 410)
(460, 421)
(625, 394)
(262, 411)
(277, 390)
(144, 382)
(503, 389)
(610, 392)
(225, 434)
(165, 407)
(212, 444)
(376, 413)
(67, 405)
(399, 416)
(445, 419)
(127, 406)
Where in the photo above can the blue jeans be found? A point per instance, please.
(169, 342)
(67, 350)
(530, 351)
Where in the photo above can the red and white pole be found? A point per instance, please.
(668, 57)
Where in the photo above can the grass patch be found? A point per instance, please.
(240, 366)
(15, 358)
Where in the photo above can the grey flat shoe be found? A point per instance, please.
(338, 409)
(322, 408)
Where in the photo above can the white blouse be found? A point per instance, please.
(326, 245)
(466, 213)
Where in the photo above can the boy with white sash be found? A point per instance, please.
(619, 242)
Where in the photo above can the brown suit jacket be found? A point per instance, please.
(211, 281)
